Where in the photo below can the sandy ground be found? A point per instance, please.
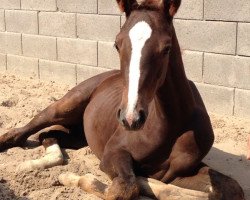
(21, 99)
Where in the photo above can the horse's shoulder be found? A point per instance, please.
(112, 83)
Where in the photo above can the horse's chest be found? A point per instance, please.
(148, 145)
(101, 124)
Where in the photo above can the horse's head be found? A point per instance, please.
(144, 44)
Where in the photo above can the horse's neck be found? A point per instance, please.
(176, 93)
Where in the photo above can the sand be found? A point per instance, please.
(22, 98)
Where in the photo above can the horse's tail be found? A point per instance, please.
(216, 184)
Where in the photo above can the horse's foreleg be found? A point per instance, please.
(53, 157)
(148, 187)
(89, 183)
(118, 165)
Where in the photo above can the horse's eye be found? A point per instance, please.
(116, 46)
(166, 50)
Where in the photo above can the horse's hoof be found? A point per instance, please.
(123, 189)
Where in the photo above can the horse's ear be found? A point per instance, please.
(127, 6)
(171, 6)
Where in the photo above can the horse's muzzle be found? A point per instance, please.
(132, 122)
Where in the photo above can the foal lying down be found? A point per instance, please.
(145, 122)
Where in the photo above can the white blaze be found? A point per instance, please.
(138, 35)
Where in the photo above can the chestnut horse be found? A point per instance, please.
(145, 119)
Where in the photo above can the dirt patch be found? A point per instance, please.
(21, 99)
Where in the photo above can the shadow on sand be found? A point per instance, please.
(7, 194)
(235, 166)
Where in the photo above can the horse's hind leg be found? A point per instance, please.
(219, 186)
(70, 138)
(67, 111)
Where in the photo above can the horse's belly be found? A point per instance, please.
(100, 120)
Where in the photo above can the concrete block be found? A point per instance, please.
(191, 9)
(10, 43)
(46, 5)
(193, 62)
(98, 27)
(208, 36)
(2, 21)
(79, 6)
(242, 71)
(227, 10)
(58, 71)
(57, 24)
(108, 7)
(21, 21)
(77, 51)
(219, 70)
(243, 46)
(10, 4)
(2, 62)
(22, 65)
(226, 70)
(108, 56)
(217, 99)
(39, 46)
(242, 103)
(85, 72)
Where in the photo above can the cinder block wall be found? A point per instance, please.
(71, 40)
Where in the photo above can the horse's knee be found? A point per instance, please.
(123, 189)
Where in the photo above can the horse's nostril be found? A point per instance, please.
(121, 118)
(139, 121)
(132, 122)
(119, 114)
(142, 116)
(124, 122)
